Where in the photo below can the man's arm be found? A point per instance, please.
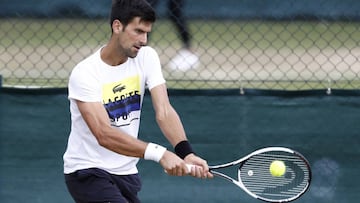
(166, 116)
(98, 122)
(171, 126)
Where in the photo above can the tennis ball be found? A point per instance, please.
(277, 168)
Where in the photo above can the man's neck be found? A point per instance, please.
(111, 57)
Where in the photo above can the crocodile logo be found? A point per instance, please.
(118, 88)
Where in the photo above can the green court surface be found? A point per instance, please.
(34, 130)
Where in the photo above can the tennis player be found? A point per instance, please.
(106, 92)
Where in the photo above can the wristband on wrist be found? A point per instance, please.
(154, 152)
(183, 148)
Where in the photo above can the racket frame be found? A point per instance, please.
(243, 159)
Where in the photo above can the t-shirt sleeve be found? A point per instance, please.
(154, 75)
(83, 85)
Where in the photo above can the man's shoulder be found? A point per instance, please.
(95, 56)
(88, 61)
(147, 53)
(147, 49)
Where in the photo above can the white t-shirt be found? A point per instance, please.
(121, 90)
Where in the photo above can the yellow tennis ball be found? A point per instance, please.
(277, 168)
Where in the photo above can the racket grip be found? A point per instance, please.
(189, 166)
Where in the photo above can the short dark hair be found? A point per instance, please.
(126, 10)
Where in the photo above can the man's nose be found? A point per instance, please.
(143, 39)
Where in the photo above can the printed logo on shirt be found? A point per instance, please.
(122, 101)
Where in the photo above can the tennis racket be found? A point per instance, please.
(254, 177)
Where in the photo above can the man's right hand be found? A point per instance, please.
(173, 165)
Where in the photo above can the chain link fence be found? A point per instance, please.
(296, 52)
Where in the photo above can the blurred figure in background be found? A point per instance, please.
(185, 58)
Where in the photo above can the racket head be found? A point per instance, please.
(256, 179)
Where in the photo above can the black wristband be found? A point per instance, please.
(183, 148)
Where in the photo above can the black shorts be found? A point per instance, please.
(96, 185)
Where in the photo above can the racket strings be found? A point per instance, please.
(256, 177)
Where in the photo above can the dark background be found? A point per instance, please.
(239, 9)
(34, 130)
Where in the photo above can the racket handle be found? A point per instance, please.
(189, 166)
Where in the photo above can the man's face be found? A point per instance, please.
(132, 37)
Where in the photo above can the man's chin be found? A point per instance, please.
(133, 54)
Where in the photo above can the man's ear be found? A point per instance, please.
(117, 26)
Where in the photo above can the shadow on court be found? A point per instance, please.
(34, 130)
